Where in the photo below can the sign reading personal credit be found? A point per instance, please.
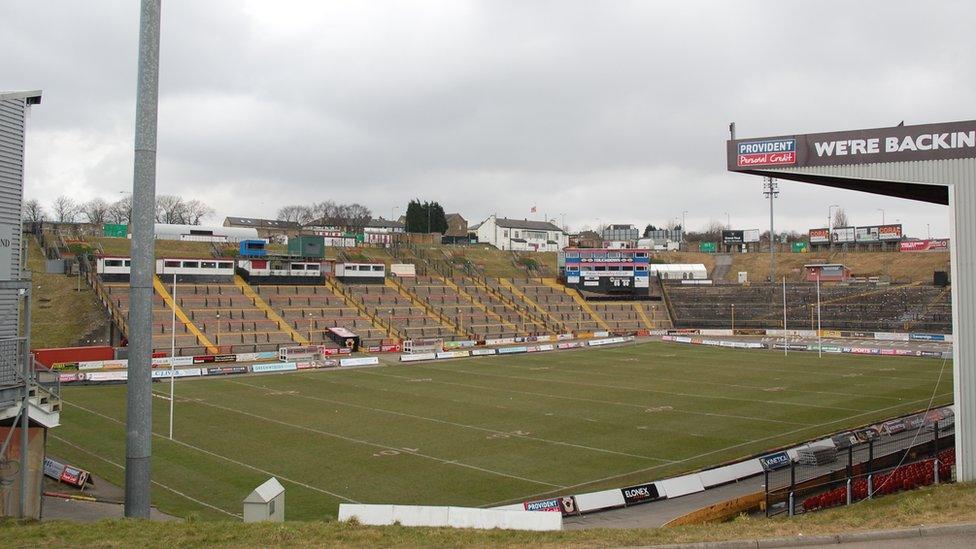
(768, 152)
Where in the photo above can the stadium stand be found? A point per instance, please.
(843, 306)
(559, 305)
(908, 477)
(312, 310)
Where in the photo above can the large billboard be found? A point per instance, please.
(819, 236)
(740, 236)
(733, 237)
(895, 144)
(841, 235)
(878, 233)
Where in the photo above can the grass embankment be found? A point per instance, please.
(60, 314)
(164, 248)
(928, 506)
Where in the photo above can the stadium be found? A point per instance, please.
(324, 375)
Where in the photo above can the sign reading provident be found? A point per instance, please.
(898, 144)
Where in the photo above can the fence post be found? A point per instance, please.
(792, 484)
(871, 469)
(848, 490)
(766, 486)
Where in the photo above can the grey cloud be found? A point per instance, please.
(611, 110)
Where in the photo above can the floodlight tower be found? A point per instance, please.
(771, 191)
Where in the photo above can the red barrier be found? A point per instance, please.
(49, 357)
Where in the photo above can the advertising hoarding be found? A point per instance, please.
(819, 236)
(878, 233)
(732, 237)
(936, 245)
(750, 235)
(841, 235)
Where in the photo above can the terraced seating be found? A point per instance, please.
(312, 310)
(411, 321)
(472, 318)
(559, 305)
(843, 307)
(162, 327)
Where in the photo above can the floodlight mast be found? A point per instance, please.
(138, 429)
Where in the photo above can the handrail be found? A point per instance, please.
(667, 301)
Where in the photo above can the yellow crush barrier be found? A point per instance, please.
(168, 299)
(271, 314)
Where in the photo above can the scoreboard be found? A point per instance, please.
(605, 271)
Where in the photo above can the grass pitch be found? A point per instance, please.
(491, 430)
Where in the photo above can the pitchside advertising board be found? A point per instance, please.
(898, 144)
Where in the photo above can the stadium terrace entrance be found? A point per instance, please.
(932, 163)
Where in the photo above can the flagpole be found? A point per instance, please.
(786, 345)
(819, 330)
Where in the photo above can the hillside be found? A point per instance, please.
(914, 267)
(491, 262)
(52, 297)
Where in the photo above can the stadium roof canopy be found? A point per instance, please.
(932, 163)
(260, 223)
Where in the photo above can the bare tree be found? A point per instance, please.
(194, 211)
(840, 218)
(33, 211)
(121, 210)
(296, 213)
(170, 209)
(356, 216)
(65, 209)
(95, 210)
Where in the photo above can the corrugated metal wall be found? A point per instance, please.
(12, 119)
(960, 175)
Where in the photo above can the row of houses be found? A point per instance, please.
(501, 232)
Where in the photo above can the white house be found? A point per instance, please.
(521, 235)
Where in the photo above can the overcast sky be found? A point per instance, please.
(616, 111)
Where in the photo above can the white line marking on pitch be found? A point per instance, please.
(157, 483)
(690, 458)
(624, 388)
(700, 382)
(796, 371)
(369, 443)
(517, 434)
(216, 455)
(594, 400)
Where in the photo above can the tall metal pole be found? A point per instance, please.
(172, 354)
(25, 404)
(819, 330)
(786, 344)
(770, 191)
(138, 431)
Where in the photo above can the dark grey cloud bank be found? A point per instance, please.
(610, 110)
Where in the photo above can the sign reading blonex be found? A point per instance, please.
(769, 152)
